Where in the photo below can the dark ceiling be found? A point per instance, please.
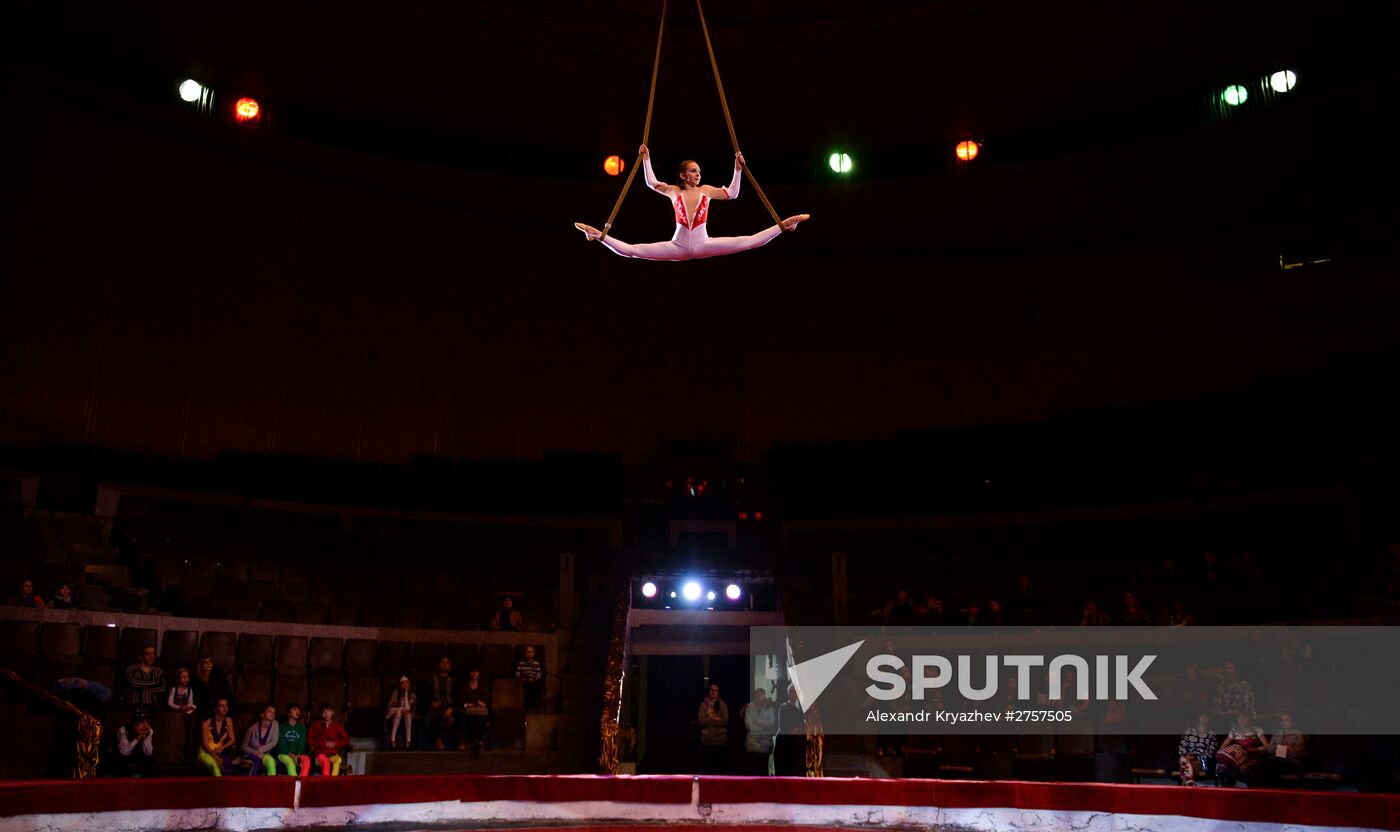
(802, 78)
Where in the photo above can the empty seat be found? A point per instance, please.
(327, 653)
(193, 586)
(291, 687)
(256, 650)
(465, 657)
(243, 609)
(344, 615)
(507, 711)
(179, 648)
(254, 687)
(496, 661)
(361, 655)
(410, 618)
(291, 655)
(102, 672)
(327, 686)
(222, 647)
(62, 640)
(395, 658)
(294, 591)
(100, 643)
(442, 618)
(364, 691)
(426, 655)
(264, 570)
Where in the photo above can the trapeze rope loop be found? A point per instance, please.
(729, 122)
(646, 127)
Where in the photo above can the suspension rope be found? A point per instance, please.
(646, 128)
(724, 104)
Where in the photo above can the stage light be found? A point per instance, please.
(191, 90)
(247, 110)
(691, 591)
(1234, 95)
(732, 592)
(710, 596)
(614, 165)
(649, 589)
(1283, 80)
(840, 162)
(673, 593)
(967, 151)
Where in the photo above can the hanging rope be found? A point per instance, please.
(646, 128)
(724, 104)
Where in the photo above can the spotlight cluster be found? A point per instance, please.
(689, 593)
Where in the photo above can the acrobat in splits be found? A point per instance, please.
(691, 203)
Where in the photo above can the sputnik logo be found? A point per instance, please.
(811, 677)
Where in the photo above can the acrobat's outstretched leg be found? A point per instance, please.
(640, 251)
(715, 246)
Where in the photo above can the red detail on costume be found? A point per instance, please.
(702, 212)
(680, 212)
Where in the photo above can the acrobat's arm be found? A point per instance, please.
(732, 190)
(653, 183)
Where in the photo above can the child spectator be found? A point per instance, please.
(402, 702)
(291, 744)
(259, 740)
(62, 598)
(531, 677)
(328, 741)
(26, 597)
(181, 696)
(136, 753)
(216, 748)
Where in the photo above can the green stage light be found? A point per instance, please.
(1234, 95)
(840, 162)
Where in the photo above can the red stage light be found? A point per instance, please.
(247, 110)
(967, 151)
(758, 515)
(614, 165)
(743, 515)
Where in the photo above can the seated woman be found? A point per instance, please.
(218, 751)
(691, 203)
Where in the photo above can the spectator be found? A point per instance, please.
(1177, 615)
(507, 617)
(26, 597)
(995, 616)
(209, 684)
(1025, 604)
(972, 616)
(145, 683)
(328, 741)
(900, 611)
(1240, 753)
(402, 703)
(259, 741)
(217, 753)
(760, 724)
(531, 677)
(136, 752)
(1092, 616)
(181, 696)
(1132, 614)
(62, 598)
(1196, 750)
(790, 744)
(474, 711)
(291, 744)
(933, 612)
(1233, 694)
(440, 723)
(1285, 750)
(714, 733)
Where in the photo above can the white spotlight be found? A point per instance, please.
(191, 90)
(710, 596)
(649, 589)
(691, 590)
(732, 592)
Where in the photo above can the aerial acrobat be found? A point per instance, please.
(691, 203)
(690, 200)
